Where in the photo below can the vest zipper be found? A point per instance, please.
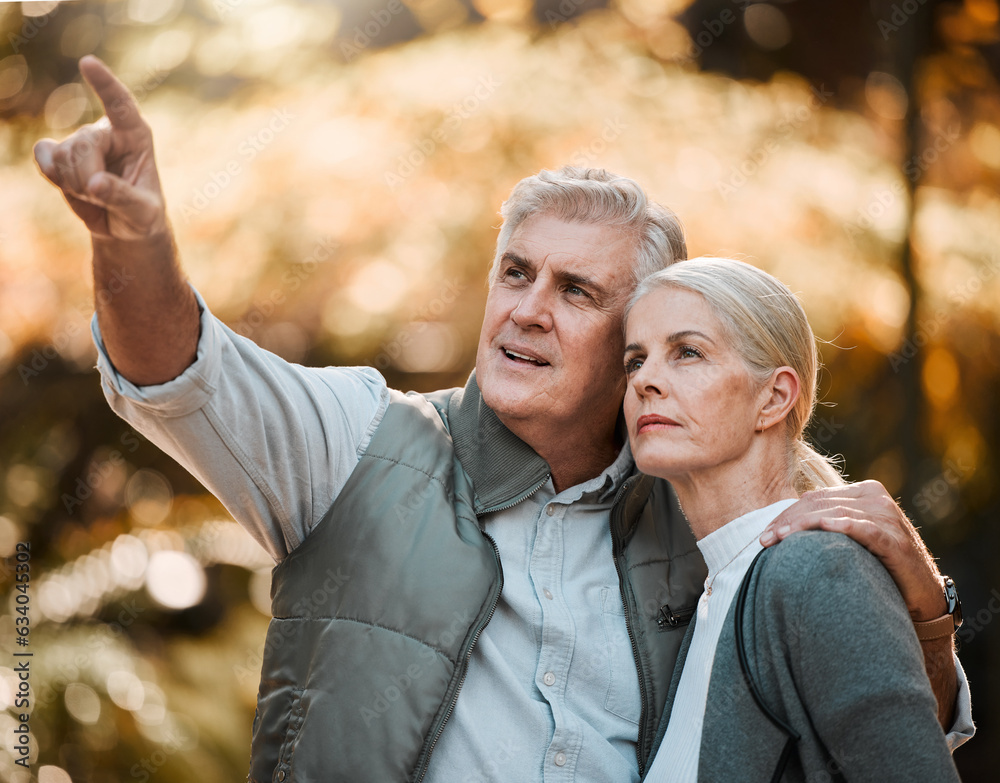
(489, 616)
(628, 625)
(468, 653)
(515, 501)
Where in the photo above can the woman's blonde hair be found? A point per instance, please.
(768, 329)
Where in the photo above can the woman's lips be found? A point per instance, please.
(653, 422)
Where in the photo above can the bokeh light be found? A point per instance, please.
(8, 687)
(886, 95)
(65, 106)
(129, 558)
(767, 26)
(428, 347)
(49, 773)
(13, 75)
(126, 690)
(83, 703)
(260, 591)
(378, 287)
(153, 11)
(175, 580)
(38, 8)
(984, 140)
(149, 497)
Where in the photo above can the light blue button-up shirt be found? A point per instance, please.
(552, 692)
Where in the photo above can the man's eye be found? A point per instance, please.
(575, 290)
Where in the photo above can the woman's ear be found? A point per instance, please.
(778, 397)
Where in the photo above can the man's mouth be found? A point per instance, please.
(523, 358)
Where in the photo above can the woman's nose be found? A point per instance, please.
(645, 381)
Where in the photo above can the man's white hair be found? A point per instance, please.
(582, 195)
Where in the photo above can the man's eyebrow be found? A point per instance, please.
(515, 259)
(585, 282)
(574, 278)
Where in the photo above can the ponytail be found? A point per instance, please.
(813, 470)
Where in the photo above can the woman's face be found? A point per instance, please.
(690, 403)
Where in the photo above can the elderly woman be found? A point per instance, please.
(721, 365)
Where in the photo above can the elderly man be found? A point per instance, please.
(400, 649)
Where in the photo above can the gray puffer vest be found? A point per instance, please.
(377, 611)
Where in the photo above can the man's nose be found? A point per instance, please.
(534, 309)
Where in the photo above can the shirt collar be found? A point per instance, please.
(720, 547)
(614, 475)
(504, 469)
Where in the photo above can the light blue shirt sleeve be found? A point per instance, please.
(962, 729)
(274, 441)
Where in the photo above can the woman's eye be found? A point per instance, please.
(687, 352)
(632, 365)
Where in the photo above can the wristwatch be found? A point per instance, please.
(946, 624)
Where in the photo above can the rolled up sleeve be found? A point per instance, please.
(274, 441)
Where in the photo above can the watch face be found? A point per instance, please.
(954, 604)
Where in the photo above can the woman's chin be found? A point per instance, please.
(663, 469)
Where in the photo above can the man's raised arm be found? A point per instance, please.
(147, 313)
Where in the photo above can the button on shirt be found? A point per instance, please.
(553, 670)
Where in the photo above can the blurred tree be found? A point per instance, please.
(334, 175)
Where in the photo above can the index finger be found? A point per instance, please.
(854, 489)
(119, 105)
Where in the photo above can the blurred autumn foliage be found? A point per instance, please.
(333, 174)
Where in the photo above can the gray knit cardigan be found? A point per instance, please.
(832, 648)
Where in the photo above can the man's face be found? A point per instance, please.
(551, 345)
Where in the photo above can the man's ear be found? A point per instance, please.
(778, 397)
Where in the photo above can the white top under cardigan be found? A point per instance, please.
(677, 761)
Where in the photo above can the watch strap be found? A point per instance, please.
(935, 629)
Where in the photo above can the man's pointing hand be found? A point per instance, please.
(107, 173)
(106, 169)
